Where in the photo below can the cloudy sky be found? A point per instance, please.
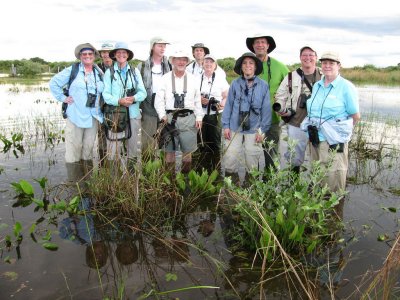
(363, 32)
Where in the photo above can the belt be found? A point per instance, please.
(181, 112)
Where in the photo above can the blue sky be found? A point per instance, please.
(366, 32)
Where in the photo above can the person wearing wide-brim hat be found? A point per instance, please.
(273, 73)
(123, 86)
(105, 55)
(152, 71)
(332, 112)
(178, 99)
(199, 50)
(246, 117)
(82, 106)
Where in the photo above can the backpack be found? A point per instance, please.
(72, 76)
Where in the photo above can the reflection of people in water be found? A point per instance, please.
(96, 254)
(81, 230)
(173, 249)
(127, 252)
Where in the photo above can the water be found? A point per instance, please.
(135, 261)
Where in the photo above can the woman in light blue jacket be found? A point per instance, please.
(123, 86)
(82, 97)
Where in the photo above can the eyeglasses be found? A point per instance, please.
(87, 53)
(308, 55)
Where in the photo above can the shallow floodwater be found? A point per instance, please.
(140, 264)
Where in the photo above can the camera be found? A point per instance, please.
(179, 100)
(204, 96)
(213, 104)
(91, 100)
(66, 91)
(303, 100)
(278, 108)
(64, 106)
(130, 92)
(244, 120)
(313, 135)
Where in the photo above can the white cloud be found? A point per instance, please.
(51, 29)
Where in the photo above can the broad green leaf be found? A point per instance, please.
(171, 276)
(17, 228)
(26, 187)
(38, 202)
(311, 247)
(32, 228)
(279, 217)
(50, 246)
(293, 235)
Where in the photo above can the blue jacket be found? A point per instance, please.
(255, 100)
(77, 112)
(124, 79)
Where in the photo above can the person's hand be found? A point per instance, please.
(259, 137)
(125, 101)
(199, 124)
(227, 134)
(131, 99)
(285, 114)
(164, 119)
(69, 100)
(204, 101)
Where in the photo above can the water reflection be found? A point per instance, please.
(196, 253)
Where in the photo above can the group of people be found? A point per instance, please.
(238, 124)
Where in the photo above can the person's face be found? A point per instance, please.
(198, 53)
(159, 49)
(87, 57)
(330, 68)
(260, 46)
(121, 55)
(308, 58)
(248, 67)
(105, 56)
(209, 65)
(179, 63)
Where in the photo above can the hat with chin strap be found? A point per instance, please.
(238, 64)
(270, 41)
(85, 46)
(121, 46)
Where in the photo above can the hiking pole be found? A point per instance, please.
(201, 138)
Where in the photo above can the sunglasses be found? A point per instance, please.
(87, 53)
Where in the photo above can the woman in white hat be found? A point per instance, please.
(123, 86)
(82, 97)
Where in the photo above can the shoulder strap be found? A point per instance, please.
(133, 73)
(290, 82)
(74, 73)
(300, 72)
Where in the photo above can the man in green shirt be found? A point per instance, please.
(273, 73)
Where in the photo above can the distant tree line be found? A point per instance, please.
(365, 74)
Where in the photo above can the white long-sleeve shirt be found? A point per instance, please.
(165, 98)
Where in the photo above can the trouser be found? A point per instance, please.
(116, 148)
(337, 172)
(273, 134)
(101, 140)
(79, 142)
(149, 128)
(296, 156)
(209, 140)
(241, 150)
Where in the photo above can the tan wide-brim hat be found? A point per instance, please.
(179, 53)
(201, 45)
(270, 40)
(238, 64)
(121, 46)
(80, 47)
